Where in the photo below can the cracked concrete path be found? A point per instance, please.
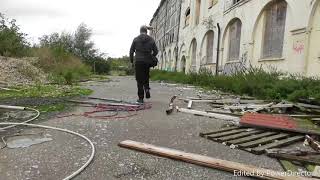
(58, 158)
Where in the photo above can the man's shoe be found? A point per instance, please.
(140, 101)
(148, 96)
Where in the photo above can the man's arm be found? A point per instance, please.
(132, 51)
(154, 49)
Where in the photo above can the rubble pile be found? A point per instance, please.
(20, 71)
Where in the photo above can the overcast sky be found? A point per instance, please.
(114, 22)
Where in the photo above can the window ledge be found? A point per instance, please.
(271, 59)
(207, 64)
(238, 4)
(232, 61)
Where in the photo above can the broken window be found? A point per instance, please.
(234, 40)
(275, 20)
(198, 9)
(187, 18)
(209, 49)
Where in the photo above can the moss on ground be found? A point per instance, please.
(52, 91)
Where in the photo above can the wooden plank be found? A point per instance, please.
(219, 131)
(283, 142)
(262, 141)
(308, 106)
(237, 136)
(206, 161)
(310, 167)
(302, 159)
(190, 104)
(228, 133)
(251, 138)
(279, 122)
(235, 101)
(224, 112)
(288, 166)
(212, 115)
(316, 172)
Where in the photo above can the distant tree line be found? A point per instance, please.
(66, 55)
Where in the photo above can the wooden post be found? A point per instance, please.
(210, 162)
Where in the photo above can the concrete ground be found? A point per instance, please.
(66, 153)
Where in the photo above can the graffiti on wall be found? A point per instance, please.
(234, 67)
(298, 47)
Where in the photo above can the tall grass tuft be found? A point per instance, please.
(256, 82)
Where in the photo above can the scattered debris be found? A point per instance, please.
(210, 162)
(278, 122)
(301, 159)
(190, 104)
(296, 152)
(171, 105)
(313, 143)
(316, 172)
(234, 119)
(256, 141)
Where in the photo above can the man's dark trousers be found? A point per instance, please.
(142, 76)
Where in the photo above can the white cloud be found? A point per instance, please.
(114, 23)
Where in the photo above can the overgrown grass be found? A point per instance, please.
(42, 91)
(255, 82)
(63, 67)
(51, 108)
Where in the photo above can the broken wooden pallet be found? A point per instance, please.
(255, 141)
(279, 122)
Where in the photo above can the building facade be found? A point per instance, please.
(225, 36)
(166, 21)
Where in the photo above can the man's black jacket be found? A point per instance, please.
(145, 47)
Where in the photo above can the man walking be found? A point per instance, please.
(144, 48)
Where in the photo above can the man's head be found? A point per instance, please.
(143, 29)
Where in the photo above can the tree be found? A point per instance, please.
(82, 44)
(78, 43)
(12, 41)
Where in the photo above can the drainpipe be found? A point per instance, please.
(218, 49)
(177, 45)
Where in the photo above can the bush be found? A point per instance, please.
(256, 82)
(99, 66)
(64, 67)
(121, 65)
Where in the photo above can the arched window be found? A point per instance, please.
(198, 9)
(209, 48)
(234, 40)
(275, 21)
(187, 17)
(183, 64)
(194, 53)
